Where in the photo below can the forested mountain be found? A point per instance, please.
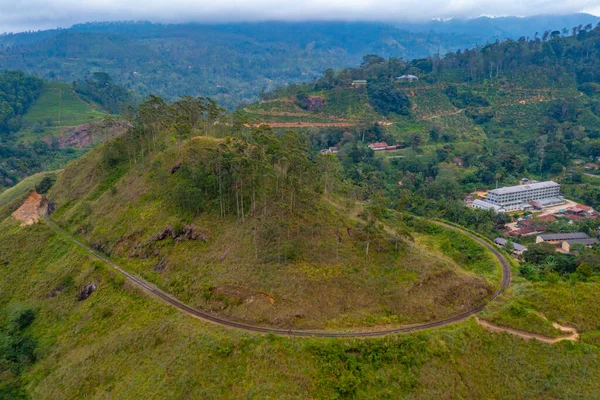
(488, 29)
(231, 63)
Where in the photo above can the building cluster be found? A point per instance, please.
(536, 196)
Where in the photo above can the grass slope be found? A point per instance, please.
(120, 343)
(57, 107)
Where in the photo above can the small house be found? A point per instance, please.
(407, 78)
(359, 83)
(518, 249)
(568, 244)
(378, 146)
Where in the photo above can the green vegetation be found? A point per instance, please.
(232, 63)
(122, 343)
(100, 89)
(25, 186)
(256, 225)
(249, 225)
(57, 107)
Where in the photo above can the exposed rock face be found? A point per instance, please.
(32, 209)
(189, 232)
(314, 103)
(161, 266)
(87, 134)
(87, 291)
(175, 167)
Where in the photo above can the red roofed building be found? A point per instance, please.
(378, 146)
(547, 218)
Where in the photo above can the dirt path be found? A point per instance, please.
(572, 336)
(442, 114)
(303, 124)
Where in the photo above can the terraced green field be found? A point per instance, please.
(57, 107)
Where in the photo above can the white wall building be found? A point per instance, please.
(517, 197)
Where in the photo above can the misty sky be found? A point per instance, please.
(19, 15)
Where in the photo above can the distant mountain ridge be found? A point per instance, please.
(232, 63)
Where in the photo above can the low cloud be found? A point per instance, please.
(44, 14)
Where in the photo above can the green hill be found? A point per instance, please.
(57, 107)
(246, 224)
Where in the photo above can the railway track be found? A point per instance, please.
(204, 316)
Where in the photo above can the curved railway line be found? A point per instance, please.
(167, 298)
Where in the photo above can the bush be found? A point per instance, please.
(45, 184)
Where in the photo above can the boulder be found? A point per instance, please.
(87, 291)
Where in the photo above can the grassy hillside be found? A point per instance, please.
(120, 343)
(23, 187)
(57, 107)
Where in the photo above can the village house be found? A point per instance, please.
(359, 83)
(567, 244)
(380, 146)
(331, 150)
(518, 249)
(558, 238)
(407, 78)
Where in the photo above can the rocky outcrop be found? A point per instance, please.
(189, 232)
(175, 167)
(87, 291)
(33, 208)
(82, 136)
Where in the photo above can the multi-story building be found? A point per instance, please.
(518, 197)
(523, 197)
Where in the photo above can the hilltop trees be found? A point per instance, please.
(386, 99)
(17, 92)
(101, 89)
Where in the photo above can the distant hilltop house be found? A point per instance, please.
(458, 161)
(524, 197)
(359, 83)
(330, 150)
(407, 78)
(380, 146)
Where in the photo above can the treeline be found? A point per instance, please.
(562, 57)
(17, 92)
